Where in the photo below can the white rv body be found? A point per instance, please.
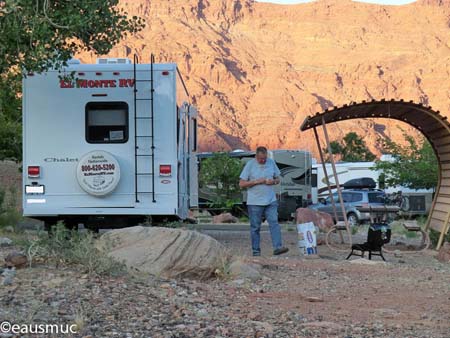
(96, 117)
(346, 171)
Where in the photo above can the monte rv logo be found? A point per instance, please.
(82, 83)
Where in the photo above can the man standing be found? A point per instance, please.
(258, 176)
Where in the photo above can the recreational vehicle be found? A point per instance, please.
(108, 143)
(294, 189)
(412, 202)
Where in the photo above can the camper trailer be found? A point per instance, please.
(412, 202)
(109, 143)
(294, 189)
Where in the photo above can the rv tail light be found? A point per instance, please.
(308, 196)
(98, 73)
(116, 73)
(165, 73)
(165, 170)
(34, 171)
(81, 73)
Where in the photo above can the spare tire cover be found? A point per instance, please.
(98, 173)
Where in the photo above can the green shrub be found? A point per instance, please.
(434, 237)
(69, 247)
(9, 215)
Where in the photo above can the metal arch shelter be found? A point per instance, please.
(434, 127)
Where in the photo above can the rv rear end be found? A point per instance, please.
(107, 144)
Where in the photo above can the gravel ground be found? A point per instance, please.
(409, 296)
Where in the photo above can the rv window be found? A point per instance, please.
(107, 122)
(314, 180)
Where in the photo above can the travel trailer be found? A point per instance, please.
(412, 202)
(294, 190)
(108, 144)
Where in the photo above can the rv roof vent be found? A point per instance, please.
(113, 61)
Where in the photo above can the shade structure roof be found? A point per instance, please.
(431, 123)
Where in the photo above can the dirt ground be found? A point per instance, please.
(408, 296)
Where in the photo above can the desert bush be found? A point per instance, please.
(62, 246)
(9, 215)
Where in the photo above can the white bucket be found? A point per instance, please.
(307, 239)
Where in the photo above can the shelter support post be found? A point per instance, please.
(444, 231)
(330, 193)
(333, 166)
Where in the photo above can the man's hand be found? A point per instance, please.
(249, 184)
(269, 181)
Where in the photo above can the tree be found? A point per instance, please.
(352, 149)
(219, 174)
(38, 35)
(413, 165)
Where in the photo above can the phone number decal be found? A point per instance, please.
(98, 167)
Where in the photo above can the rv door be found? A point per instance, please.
(192, 158)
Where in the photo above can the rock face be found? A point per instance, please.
(169, 253)
(255, 69)
(444, 253)
(225, 218)
(320, 219)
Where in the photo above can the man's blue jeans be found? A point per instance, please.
(256, 212)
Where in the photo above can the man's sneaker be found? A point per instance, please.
(256, 254)
(280, 251)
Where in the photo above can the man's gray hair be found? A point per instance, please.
(261, 150)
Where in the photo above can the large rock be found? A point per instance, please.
(444, 253)
(225, 218)
(5, 241)
(16, 259)
(169, 253)
(320, 219)
(241, 269)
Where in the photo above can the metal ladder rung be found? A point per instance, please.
(136, 136)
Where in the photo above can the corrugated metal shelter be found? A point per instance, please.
(434, 127)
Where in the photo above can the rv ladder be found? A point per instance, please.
(137, 137)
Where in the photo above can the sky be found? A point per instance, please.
(385, 2)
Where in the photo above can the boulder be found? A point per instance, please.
(225, 218)
(444, 253)
(169, 253)
(320, 219)
(16, 259)
(4, 241)
(241, 269)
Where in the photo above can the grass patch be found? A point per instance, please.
(72, 248)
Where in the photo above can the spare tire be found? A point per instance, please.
(98, 173)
